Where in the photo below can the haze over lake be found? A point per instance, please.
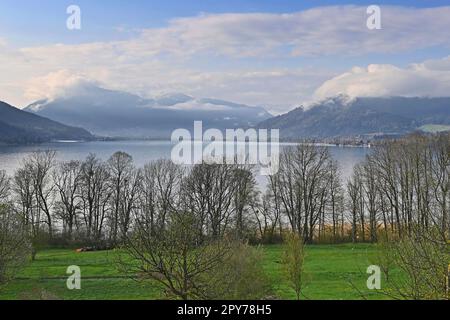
(142, 152)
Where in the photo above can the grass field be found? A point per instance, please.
(332, 271)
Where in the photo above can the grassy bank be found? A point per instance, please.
(332, 271)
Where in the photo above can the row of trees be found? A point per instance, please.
(102, 202)
(306, 193)
(401, 184)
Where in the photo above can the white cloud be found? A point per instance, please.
(57, 84)
(181, 57)
(198, 105)
(318, 31)
(430, 78)
(437, 65)
(278, 90)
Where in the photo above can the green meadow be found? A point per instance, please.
(331, 272)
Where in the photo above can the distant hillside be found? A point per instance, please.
(343, 117)
(17, 126)
(120, 114)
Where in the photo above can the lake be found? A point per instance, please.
(143, 152)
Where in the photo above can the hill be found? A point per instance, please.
(121, 114)
(344, 117)
(17, 126)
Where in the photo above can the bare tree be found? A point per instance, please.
(384, 157)
(120, 167)
(40, 164)
(24, 199)
(129, 201)
(440, 182)
(210, 191)
(354, 201)
(174, 256)
(67, 180)
(371, 197)
(161, 192)
(245, 195)
(95, 194)
(267, 214)
(303, 186)
(335, 201)
(4, 186)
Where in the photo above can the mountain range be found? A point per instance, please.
(342, 116)
(120, 114)
(17, 126)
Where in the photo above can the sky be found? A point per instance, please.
(273, 53)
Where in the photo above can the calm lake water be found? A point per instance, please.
(142, 152)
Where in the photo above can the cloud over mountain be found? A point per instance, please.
(58, 84)
(430, 78)
(117, 113)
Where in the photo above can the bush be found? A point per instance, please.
(293, 262)
(14, 247)
(240, 276)
(422, 258)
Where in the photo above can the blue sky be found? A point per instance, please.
(276, 53)
(39, 22)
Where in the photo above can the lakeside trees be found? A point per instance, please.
(405, 184)
(400, 185)
(308, 187)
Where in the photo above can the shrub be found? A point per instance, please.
(293, 262)
(422, 258)
(240, 276)
(14, 247)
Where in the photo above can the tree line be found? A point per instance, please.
(400, 185)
